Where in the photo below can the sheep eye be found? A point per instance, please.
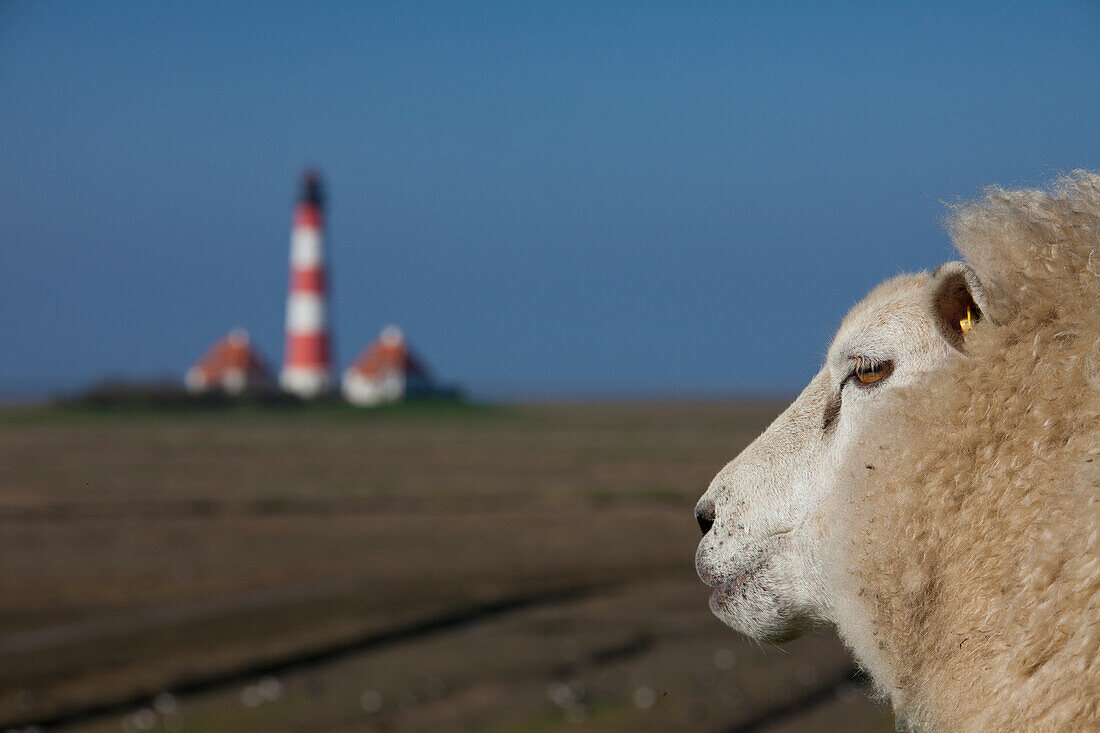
(869, 372)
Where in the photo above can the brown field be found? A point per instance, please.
(426, 568)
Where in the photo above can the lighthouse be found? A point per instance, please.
(307, 366)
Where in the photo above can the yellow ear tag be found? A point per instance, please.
(967, 324)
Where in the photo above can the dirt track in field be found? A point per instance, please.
(445, 568)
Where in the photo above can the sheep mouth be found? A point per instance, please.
(747, 562)
(735, 588)
(733, 580)
(747, 579)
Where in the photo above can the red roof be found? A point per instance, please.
(234, 352)
(389, 353)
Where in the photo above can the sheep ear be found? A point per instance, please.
(955, 292)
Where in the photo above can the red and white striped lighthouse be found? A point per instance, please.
(307, 368)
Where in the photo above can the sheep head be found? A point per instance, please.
(934, 493)
(764, 516)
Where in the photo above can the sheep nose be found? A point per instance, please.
(704, 514)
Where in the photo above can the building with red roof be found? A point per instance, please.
(386, 371)
(232, 365)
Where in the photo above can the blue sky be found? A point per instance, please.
(550, 198)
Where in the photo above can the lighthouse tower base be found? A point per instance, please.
(305, 382)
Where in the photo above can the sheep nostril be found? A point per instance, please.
(704, 514)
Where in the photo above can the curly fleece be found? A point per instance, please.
(971, 556)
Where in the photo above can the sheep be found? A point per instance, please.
(934, 492)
